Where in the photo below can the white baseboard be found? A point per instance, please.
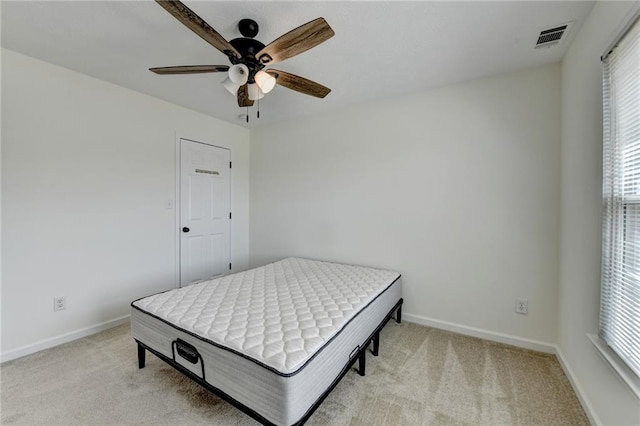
(520, 342)
(582, 397)
(63, 338)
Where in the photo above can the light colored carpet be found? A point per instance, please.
(423, 376)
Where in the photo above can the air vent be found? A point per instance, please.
(550, 36)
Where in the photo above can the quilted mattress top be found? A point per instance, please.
(279, 314)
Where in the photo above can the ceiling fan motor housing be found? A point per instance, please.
(248, 48)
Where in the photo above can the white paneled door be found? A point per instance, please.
(205, 214)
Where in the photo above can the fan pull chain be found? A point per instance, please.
(247, 114)
(258, 114)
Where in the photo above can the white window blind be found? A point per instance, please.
(620, 294)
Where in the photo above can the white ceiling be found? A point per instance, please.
(380, 50)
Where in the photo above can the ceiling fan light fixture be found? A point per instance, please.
(239, 74)
(230, 86)
(265, 82)
(254, 92)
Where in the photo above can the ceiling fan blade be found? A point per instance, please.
(243, 97)
(190, 69)
(299, 84)
(196, 24)
(296, 41)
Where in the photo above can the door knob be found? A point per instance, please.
(185, 229)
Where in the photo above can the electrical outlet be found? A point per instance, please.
(522, 306)
(59, 303)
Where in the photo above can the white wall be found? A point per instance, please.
(581, 205)
(86, 169)
(456, 188)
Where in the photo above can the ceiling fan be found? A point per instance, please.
(246, 78)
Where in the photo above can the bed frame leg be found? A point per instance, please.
(141, 356)
(376, 344)
(399, 314)
(362, 360)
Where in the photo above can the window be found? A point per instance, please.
(620, 294)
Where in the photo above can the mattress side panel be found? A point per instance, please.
(241, 379)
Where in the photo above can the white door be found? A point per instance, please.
(205, 214)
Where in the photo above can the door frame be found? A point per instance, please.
(177, 200)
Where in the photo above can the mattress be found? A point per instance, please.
(273, 338)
